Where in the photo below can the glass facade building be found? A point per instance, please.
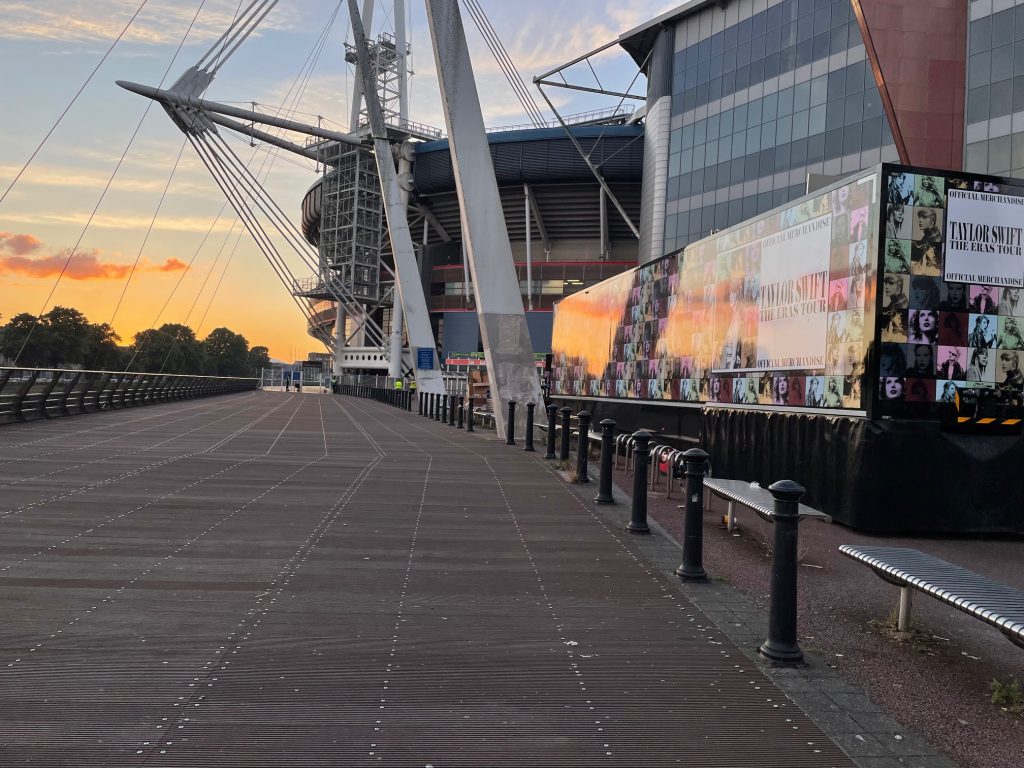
(994, 135)
(764, 93)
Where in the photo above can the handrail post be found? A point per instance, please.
(552, 420)
(604, 490)
(510, 424)
(19, 399)
(781, 645)
(638, 521)
(529, 427)
(583, 447)
(563, 452)
(692, 567)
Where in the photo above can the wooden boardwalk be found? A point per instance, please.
(271, 579)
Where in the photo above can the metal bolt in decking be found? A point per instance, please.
(552, 419)
(563, 452)
(604, 491)
(510, 425)
(692, 568)
(529, 426)
(638, 521)
(583, 447)
(781, 645)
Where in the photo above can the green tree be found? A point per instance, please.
(171, 348)
(68, 337)
(101, 350)
(33, 354)
(227, 353)
(259, 357)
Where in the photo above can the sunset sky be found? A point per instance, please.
(49, 47)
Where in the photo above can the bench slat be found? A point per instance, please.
(997, 604)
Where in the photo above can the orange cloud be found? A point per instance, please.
(19, 244)
(86, 265)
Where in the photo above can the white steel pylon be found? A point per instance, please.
(410, 292)
(506, 338)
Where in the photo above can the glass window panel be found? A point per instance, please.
(703, 71)
(756, 72)
(804, 28)
(801, 96)
(740, 119)
(707, 219)
(800, 124)
(977, 104)
(782, 156)
(689, 99)
(787, 61)
(702, 94)
(785, 102)
(725, 123)
(773, 17)
(675, 140)
(699, 153)
(716, 67)
(835, 115)
(743, 32)
(730, 37)
(798, 153)
(710, 180)
(754, 139)
(711, 153)
(1017, 150)
(687, 136)
(836, 84)
(854, 108)
(1002, 28)
(976, 157)
(803, 53)
(822, 20)
(853, 34)
(999, 155)
(819, 47)
(981, 34)
(766, 161)
(700, 132)
(736, 171)
(742, 77)
(851, 139)
(815, 148)
(684, 185)
(770, 107)
(735, 212)
(757, 48)
(1002, 63)
(772, 62)
(1018, 23)
(784, 130)
(686, 161)
(780, 197)
(819, 90)
(673, 164)
(837, 40)
(886, 136)
(841, 12)
(713, 128)
(750, 170)
(723, 175)
(855, 77)
(872, 103)
(729, 83)
(749, 206)
(1001, 99)
(739, 143)
(753, 113)
(717, 44)
(1018, 93)
(721, 216)
(872, 133)
(833, 144)
(743, 55)
(704, 50)
(773, 40)
(788, 35)
(1018, 58)
(979, 70)
(816, 122)
(764, 202)
(768, 133)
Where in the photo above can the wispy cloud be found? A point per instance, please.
(90, 21)
(85, 265)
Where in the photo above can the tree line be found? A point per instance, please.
(64, 338)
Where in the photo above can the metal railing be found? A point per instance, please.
(44, 393)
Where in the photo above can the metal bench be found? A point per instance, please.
(752, 497)
(992, 602)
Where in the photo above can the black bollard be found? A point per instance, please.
(510, 425)
(469, 420)
(583, 447)
(430, 405)
(692, 568)
(552, 419)
(462, 411)
(440, 404)
(781, 645)
(604, 491)
(451, 410)
(529, 427)
(641, 453)
(563, 452)
(419, 406)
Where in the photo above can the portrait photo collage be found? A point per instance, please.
(690, 323)
(937, 336)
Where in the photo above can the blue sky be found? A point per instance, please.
(47, 49)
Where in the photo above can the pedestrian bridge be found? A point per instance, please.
(272, 579)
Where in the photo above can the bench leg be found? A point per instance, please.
(905, 607)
